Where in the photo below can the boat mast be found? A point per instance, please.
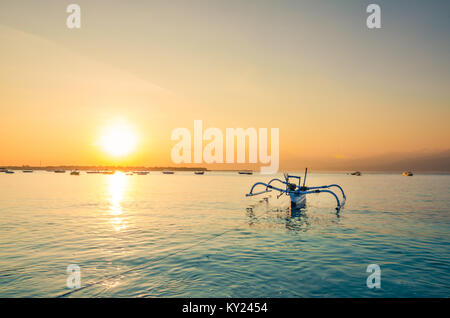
(304, 178)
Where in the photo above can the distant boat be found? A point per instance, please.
(141, 173)
(246, 172)
(9, 171)
(107, 172)
(356, 173)
(407, 174)
(27, 171)
(60, 171)
(199, 172)
(90, 172)
(168, 172)
(75, 173)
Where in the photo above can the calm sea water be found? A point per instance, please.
(186, 235)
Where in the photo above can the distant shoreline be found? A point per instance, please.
(139, 168)
(103, 168)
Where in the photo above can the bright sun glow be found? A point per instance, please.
(118, 140)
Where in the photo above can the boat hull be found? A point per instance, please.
(298, 200)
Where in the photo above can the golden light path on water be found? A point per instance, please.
(117, 186)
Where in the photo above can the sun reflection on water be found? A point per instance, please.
(117, 186)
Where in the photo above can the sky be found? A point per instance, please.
(335, 89)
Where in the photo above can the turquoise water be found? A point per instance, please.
(186, 235)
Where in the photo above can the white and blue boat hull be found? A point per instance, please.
(298, 200)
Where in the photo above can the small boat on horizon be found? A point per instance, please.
(27, 171)
(167, 172)
(407, 174)
(246, 172)
(356, 173)
(100, 172)
(60, 171)
(199, 172)
(75, 173)
(9, 171)
(141, 173)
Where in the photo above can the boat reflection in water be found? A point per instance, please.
(297, 220)
(293, 218)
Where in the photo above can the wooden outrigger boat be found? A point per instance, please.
(297, 192)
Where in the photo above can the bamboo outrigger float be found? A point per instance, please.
(297, 192)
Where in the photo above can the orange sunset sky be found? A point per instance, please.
(334, 88)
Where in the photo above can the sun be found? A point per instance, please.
(118, 140)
